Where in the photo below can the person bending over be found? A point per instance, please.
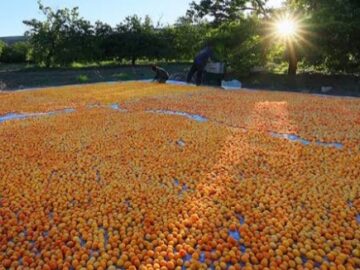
(199, 64)
(161, 75)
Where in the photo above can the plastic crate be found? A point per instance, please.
(215, 68)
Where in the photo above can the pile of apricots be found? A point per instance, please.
(100, 188)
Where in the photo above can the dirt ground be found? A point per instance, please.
(15, 78)
(339, 85)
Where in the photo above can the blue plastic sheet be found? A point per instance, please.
(177, 82)
(202, 257)
(14, 116)
(184, 187)
(181, 143)
(20, 116)
(295, 138)
(231, 85)
(115, 106)
(334, 145)
(82, 242)
(304, 259)
(176, 182)
(235, 235)
(195, 117)
(188, 257)
(241, 219)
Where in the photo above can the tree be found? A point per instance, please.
(62, 38)
(135, 38)
(188, 37)
(335, 32)
(225, 10)
(239, 43)
(163, 44)
(103, 41)
(292, 57)
(79, 40)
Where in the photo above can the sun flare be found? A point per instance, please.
(286, 27)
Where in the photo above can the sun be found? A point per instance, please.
(286, 27)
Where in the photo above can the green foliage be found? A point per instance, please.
(188, 38)
(82, 78)
(334, 28)
(239, 44)
(62, 38)
(103, 42)
(2, 46)
(15, 53)
(222, 11)
(135, 38)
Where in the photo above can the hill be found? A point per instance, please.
(13, 39)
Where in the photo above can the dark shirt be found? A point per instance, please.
(203, 56)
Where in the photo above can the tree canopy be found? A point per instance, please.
(221, 11)
(335, 32)
(62, 38)
(242, 31)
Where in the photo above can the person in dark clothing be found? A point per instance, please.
(199, 64)
(161, 74)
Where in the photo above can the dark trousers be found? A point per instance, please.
(196, 68)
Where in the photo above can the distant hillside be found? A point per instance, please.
(14, 39)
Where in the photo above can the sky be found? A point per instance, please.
(13, 12)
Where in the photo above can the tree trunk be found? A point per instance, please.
(292, 58)
(293, 62)
(48, 60)
(133, 61)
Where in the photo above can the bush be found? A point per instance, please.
(16, 53)
(82, 78)
(2, 46)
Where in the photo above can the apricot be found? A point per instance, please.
(99, 189)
